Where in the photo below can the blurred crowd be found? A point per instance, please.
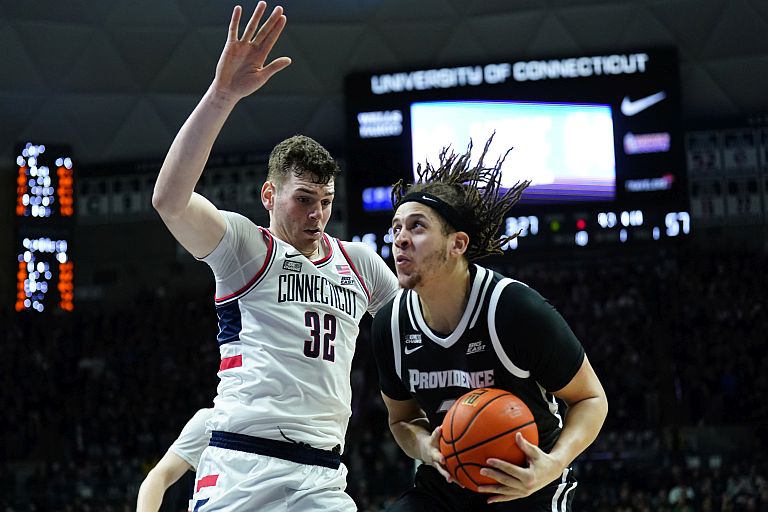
(94, 398)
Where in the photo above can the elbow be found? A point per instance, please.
(602, 408)
(164, 205)
(159, 200)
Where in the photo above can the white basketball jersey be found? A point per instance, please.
(287, 332)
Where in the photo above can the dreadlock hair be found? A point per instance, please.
(300, 155)
(475, 194)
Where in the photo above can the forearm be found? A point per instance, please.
(151, 494)
(189, 152)
(412, 436)
(580, 428)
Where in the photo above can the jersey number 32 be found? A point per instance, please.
(326, 329)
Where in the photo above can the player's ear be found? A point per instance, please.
(268, 194)
(459, 243)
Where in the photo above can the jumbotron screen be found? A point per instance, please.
(598, 136)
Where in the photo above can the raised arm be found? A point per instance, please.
(241, 71)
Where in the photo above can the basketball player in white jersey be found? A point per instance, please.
(458, 326)
(182, 456)
(289, 299)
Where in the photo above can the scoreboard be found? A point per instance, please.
(44, 227)
(599, 136)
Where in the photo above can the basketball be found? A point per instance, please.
(480, 425)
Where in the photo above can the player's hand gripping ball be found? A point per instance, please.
(480, 425)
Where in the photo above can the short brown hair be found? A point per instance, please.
(300, 155)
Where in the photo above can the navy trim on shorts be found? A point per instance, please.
(295, 452)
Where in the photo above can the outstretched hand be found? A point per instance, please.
(241, 69)
(518, 482)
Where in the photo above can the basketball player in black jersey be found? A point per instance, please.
(456, 326)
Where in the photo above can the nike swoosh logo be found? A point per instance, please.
(409, 350)
(630, 108)
(293, 255)
(428, 199)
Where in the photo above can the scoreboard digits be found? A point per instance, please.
(44, 216)
(580, 230)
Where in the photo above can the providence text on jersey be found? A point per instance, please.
(450, 378)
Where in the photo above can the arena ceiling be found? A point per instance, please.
(115, 79)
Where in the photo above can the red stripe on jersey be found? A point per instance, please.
(270, 246)
(231, 362)
(330, 251)
(354, 269)
(207, 481)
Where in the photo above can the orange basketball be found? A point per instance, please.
(480, 425)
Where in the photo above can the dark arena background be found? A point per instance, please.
(644, 125)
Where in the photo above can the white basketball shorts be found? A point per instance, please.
(236, 481)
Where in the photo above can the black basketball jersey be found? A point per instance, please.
(509, 337)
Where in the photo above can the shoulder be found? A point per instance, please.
(514, 293)
(497, 289)
(359, 251)
(197, 423)
(513, 302)
(240, 226)
(243, 240)
(237, 218)
(202, 415)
